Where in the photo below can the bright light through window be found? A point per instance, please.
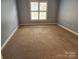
(42, 16)
(34, 6)
(38, 10)
(34, 15)
(43, 6)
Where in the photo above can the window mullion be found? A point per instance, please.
(38, 10)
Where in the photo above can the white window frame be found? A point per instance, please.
(39, 12)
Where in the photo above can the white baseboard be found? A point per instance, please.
(67, 29)
(38, 24)
(8, 38)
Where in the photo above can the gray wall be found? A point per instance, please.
(24, 11)
(68, 14)
(9, 19)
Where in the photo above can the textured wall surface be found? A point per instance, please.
(68, 14)
(9, 19)
(24, 12)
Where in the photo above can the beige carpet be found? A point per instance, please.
(41, 42)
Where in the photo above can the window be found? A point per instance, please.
(38, 10)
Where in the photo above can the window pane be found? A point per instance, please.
(34, 15)
(34, 6)
(42, 16)
(43, 6)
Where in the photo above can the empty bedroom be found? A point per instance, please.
(39, 29)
